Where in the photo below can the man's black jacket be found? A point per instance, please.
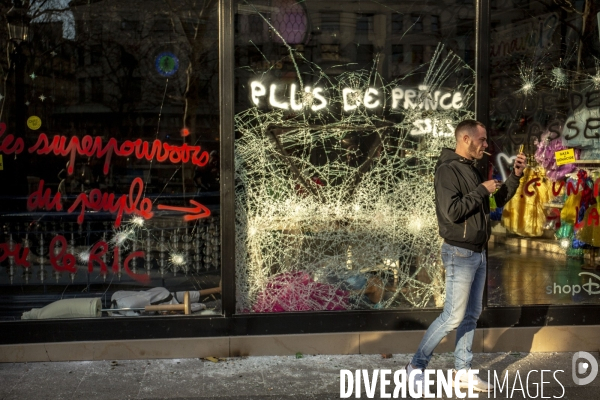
(462, 202)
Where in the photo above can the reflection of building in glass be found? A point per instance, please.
(101, 74)
(106, 78)
(542, 56)
(401, 37)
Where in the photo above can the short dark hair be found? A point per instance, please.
(468, 125)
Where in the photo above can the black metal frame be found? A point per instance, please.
(230, 324)
(482, 82)
(227, 180)
(482, 62)
(280, 324)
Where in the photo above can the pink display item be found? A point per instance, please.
(545, 157)
(297, 291)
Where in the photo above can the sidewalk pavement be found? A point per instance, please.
(297, 377)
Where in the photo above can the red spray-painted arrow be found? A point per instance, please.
(200, 211)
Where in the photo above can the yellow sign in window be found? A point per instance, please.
(34, 122)
(1, 163)
(565, 156)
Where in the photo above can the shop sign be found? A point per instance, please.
(592, 286)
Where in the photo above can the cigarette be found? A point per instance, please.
(485, 152)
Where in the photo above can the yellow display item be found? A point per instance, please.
(524, 214)
(590, 232)
(569, 210)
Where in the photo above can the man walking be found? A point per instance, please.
(462, 208)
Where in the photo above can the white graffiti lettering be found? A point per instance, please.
(288, 97)
(503, 162)
(435, 127)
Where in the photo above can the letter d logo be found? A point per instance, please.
(583, 367)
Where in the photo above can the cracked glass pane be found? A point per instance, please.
(341, 113)
(109, 125)
(544, 90)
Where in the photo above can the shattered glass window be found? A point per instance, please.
(109, 164)
(545, 86)
(337, 135)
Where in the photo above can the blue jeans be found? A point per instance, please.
(465, 280)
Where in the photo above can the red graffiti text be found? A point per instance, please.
(14, 250)
(89, 146)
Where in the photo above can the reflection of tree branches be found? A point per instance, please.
(195, 34)
(121, 66)
(38, 8)
(568, 6)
